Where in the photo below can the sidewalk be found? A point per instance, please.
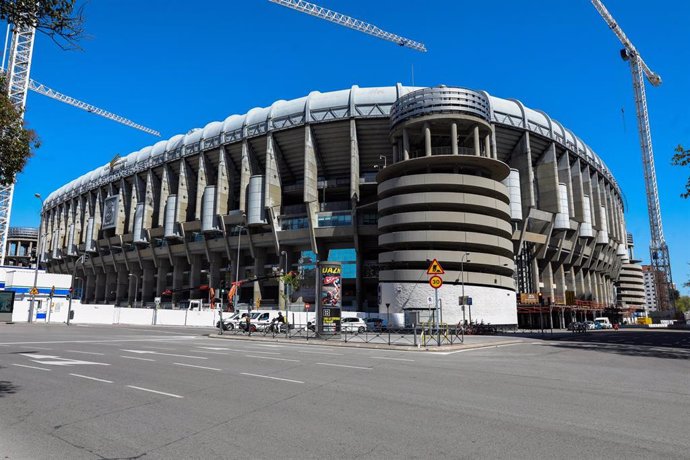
(471, 342)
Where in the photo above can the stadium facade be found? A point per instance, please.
(519, 212)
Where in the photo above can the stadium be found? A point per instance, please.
(522, 216)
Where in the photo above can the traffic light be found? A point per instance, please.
(541, 299)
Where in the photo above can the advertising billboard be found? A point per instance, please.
(330, 294)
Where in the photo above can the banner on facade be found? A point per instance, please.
(110, 212)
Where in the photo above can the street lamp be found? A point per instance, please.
(285, 284)
(464, 258)
(34, 289)
(81, 260)
(136, 287)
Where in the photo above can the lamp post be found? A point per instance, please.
(81, 260)
(285, 285)
(38, 259)
(237, 267)
(463, 259)
(136, 287)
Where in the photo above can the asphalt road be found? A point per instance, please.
(168, 393)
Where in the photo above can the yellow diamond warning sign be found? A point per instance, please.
(435, 268)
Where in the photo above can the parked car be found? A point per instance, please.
(577, 326)
(229, 322)
(353, 324)
(375, 324)
(591, 325)
(603, 322)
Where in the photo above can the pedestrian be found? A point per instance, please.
(248, 323)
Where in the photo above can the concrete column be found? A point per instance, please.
(89, 288)
(161, 279)
(148, 284)
(110, 286)
(99, 293)
(547, 278)
(487, 146)
(134, 283)
(179, 267)
(406, 144)
(454, 138)
(259, 262)
(477, 149)
(122, 284)
(427, 139)
(195, 278)
(214, 271)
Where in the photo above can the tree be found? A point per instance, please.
(16, 142)
(56, 18)
(683, 304)
(682, 158)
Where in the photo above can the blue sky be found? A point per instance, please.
(176, 65)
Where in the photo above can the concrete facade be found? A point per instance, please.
(396, 174)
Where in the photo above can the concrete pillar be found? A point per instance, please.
(477, 150)
(406, 144)
(214, 266)
(195, 278)
(454, 138)
(259, 262)
(99, 294)
(122, 285)
(148, 284)
(110, 287)
(162, 277)
(487, 146)
(179, 267)
(134, 283)
(89, 288)
(427, 139)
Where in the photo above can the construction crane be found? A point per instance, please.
(18, 83)
(658, 249)
(347, 21)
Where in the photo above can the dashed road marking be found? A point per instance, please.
(92, 378)
(31, 367)
(155, 391)
(320, 353)
(392, 359)
(85, 352)
(198, 367)
(272, 378)
(273, 358)
(345, 365)
(137, 358)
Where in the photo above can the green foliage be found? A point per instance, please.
(16, 142)
(56, 18)
(683, 303)
(682, 158)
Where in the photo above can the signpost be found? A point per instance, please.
(435, 269)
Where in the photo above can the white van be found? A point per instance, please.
(603, 322)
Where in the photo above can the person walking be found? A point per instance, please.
(248, 323)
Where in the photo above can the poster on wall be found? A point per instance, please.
(6, 301)
(329, 296)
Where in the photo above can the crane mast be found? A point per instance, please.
(658, 249)
(347, 21)
(17, 85)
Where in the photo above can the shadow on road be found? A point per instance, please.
(627, 350)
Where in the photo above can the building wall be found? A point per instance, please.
(306, 175)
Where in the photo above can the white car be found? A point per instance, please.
(353, 325)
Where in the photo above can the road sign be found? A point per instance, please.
(33, 291)
(435, 282)
(306, 306)
(435, 268)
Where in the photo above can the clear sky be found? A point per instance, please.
(175, 65)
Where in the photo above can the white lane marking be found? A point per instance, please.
(41, 348)
(262, 352)
(31, 367)
(148, 352)
(199, 367)
(86, 352)
(57, 361)
(162, 339)
(91, 378)
(269, 346)
(216, 348)
(137, 358)
(271, 357)
(392, 359)
(161, 348)
(345, 365)
(487, 347)
(320, 353)
(272, 378)
(155, 391)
